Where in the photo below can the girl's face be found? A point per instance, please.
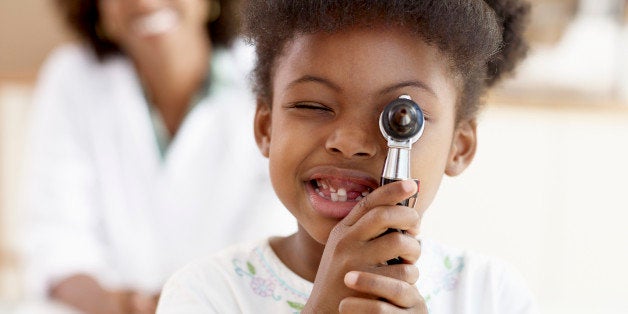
(327, 93)
(144, 25)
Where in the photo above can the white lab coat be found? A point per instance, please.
(100, 200)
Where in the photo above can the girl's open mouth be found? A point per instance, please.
(335, 197)
(339, 191)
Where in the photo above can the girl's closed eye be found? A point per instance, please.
(310, 105)
(307, 108)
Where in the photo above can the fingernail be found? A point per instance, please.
(351, 278)
(409, 185)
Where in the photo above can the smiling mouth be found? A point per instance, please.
(156, 23)
(337, 190)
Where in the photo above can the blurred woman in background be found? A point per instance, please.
(130, 159)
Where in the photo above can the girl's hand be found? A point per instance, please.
(357, 245)
(395, 296)
(84, 293)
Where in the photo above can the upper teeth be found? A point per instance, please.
(342, 195)
(321, 183)
(156, 23)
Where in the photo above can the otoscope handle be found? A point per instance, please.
(401, 123)
(407, 202)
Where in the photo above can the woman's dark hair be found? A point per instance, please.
(83, 18)
(483, 39)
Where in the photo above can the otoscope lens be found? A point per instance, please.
(402, 119)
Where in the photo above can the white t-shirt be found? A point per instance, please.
(250, 278)
(100, 199)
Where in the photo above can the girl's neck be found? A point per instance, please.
(299, 252)
(171, 78)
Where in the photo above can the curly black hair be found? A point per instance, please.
(83, 17)
(483, 39)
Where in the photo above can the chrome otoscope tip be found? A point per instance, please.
(402, 121)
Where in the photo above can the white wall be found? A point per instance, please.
(548, 192)
(14, 108)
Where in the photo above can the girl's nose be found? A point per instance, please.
(351, 140)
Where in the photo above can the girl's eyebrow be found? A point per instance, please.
(403, 84)
(315, 79)
(335, 87)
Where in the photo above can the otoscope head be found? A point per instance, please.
(402, 120)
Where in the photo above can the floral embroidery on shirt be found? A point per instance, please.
(296, 305)
(266, 283)
(445, 277)
(263, 287)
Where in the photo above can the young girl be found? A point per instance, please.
(325, 70)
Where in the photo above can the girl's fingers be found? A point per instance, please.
(359, 305)
(393, 291)
(390, 246)
(376, 221)
(404, 272)
(389, 194)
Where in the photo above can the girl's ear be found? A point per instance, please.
(262, 125)
(462, 148)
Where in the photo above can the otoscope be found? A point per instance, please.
(401, 123)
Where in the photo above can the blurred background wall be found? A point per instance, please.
(29, 29)
(547, 191)
(548, 188)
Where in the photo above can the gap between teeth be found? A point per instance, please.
(339, 195)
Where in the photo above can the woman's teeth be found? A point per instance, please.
(156, 23)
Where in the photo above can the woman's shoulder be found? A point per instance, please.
(77, 61)
(70, 56)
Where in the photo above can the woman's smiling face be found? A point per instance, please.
(322, 135)
(143, 25)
